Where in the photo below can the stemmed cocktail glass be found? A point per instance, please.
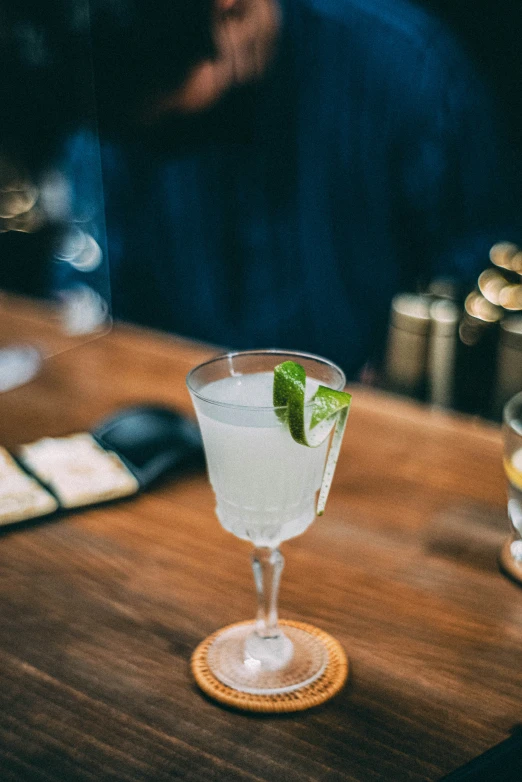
(511, 555)
(265, 485)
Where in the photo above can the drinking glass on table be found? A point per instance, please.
(265, 485)
(512, 433)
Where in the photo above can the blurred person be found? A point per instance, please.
(276, 170)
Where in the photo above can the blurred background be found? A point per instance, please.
(467, 345)
(54, 272)
(453, 347)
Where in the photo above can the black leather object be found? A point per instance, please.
(153, 441)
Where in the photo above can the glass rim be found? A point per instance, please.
(259, 352)
(508, 413)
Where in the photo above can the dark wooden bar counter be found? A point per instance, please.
(100, 610)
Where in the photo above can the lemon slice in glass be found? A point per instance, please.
(513, 468)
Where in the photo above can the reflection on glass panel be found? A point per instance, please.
(54, 274)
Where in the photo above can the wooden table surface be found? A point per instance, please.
(100, 610)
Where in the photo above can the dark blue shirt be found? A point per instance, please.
(289, 215)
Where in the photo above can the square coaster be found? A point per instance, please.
(78, 470)
(21, 497)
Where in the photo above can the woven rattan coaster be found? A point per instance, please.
(508, 564)
(322, 689)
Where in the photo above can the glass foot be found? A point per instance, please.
(509, 559)
(233, 660)
(516, 551)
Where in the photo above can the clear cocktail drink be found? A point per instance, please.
(512, 431)
(265, 483)
(514, 475)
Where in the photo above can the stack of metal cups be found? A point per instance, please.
(422, 341)
(463, 354)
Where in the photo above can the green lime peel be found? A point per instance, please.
(289, 393)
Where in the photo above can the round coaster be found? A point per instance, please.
(320, 690)
(507, 562)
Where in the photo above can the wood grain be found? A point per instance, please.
(100, 610)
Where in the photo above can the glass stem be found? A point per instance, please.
(267, 564)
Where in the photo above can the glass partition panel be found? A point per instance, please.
(54, 273)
